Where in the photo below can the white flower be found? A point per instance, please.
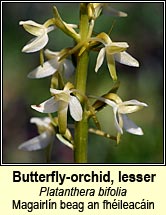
(41, 35)
(52, 65)
(108, 10)
(120, 110)
(114, 51)
(41, 141)
(60, 102)
(95, 10)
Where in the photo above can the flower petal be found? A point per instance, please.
(36, 44)
(125, 58)
(33, 27)
(41, 121)
(100, 59)
(37, 143)
(116, 47)
(128, 109)
(48, 106)
(48, 68)
(135, 102)
(75, 108)
(130, 126)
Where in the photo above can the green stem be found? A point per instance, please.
(81, 128)
(48, 152)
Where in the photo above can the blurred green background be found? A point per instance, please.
(142, 30)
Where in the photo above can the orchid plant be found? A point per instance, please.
(73, 96)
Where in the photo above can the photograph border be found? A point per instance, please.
(83, 164)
